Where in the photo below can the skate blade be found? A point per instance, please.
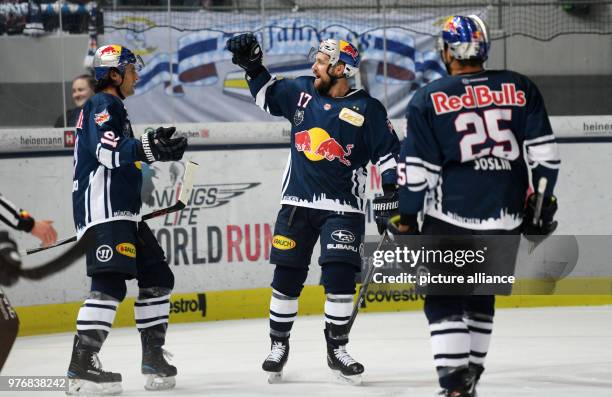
(155, 382)
(275, 377)
(80, 387)
(353, 380)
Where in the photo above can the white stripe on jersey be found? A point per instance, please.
(359, 180)
(107, 179)
(544, 138)
(387, 164)
(105, 156)
(286, 175)
(97, 191)
(418, 161)
(260, 98)
(546, 154)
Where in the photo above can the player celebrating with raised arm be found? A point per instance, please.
(464, 149)
(106, 202)
(335, 132)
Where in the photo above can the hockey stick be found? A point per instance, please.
(61, 262)
(537, 214)
(365, 283)
(184, 195)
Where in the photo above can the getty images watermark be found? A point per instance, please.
(421, 260)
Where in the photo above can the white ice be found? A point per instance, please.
(543, 352)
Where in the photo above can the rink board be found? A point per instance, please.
(218, 247)
(254, 303)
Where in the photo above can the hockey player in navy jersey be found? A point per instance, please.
(464, 151)
(336, 131)
(106, 202)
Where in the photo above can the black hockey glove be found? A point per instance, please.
(385, 207)
(400, 221)
(10, 261)
(247, 53)
(159, 145)
(545, 226)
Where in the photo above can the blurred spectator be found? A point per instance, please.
(82, 90)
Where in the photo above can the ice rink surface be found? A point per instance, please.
(543, 352)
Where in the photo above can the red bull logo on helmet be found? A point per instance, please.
(316, 144)
(348, 49)
(110, 50)
(450, 26)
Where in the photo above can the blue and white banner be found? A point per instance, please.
(189, 76)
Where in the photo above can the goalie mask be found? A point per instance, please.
(340, 50)
(466, 38)
(114, 56)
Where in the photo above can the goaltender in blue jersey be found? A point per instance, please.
(335, 132)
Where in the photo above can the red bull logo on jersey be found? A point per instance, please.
(102, 117)
(479, 96)
(316, 144)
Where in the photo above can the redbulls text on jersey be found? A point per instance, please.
(463, 159)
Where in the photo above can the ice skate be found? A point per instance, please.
(468, 388)
(343, 365)
(160, 375)
(86, 377)
(276, 360)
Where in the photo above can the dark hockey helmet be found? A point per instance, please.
(466, 37)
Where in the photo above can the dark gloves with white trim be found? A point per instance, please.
(10, 261)
(247, 53)
(385, 207)
(546, 225)
(159, 145)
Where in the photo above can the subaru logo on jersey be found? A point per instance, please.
(343, 236)
(298, 117)
(104, 253)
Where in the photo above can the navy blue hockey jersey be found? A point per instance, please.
(464, 149)
(332, 141)
(107, 177)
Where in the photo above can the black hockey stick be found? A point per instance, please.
(184, 195)
(534, 241)
(61, 262)
(365, 283)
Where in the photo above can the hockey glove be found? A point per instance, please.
(247, 53)
(402, 225)
(10, 261)
(385, 207)
(545, 225)
(159, 145)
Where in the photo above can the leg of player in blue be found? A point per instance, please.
(123, 250)
(461, 325)
(339, 281)
(295, 235)
(151, 310)
(108, 269)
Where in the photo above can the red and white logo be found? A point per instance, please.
(479, 96)
(68, 138)
(102, 117)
